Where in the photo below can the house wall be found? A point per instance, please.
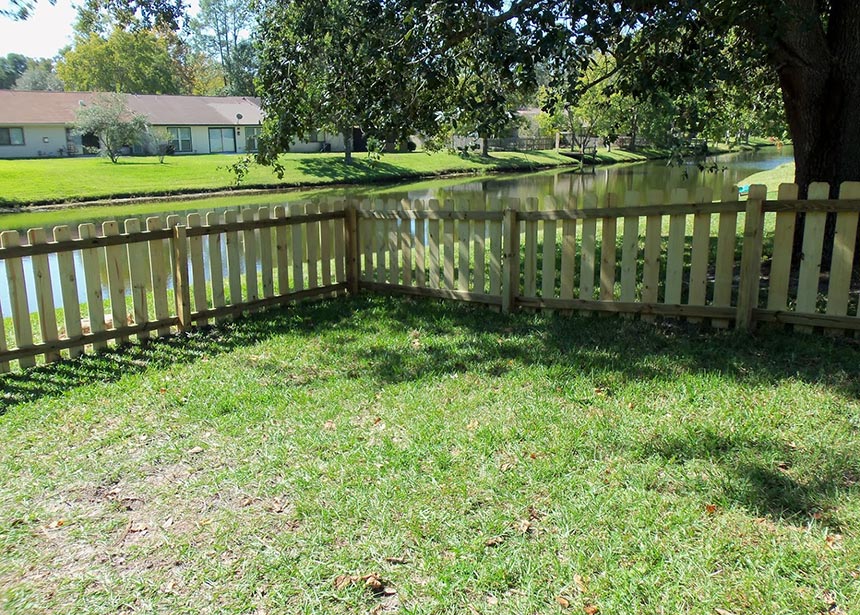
(34, 141)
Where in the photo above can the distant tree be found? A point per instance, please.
(136, 62)
(109, 118)
(39, 78)
(221, 30)
(160, 139)
(11, 68)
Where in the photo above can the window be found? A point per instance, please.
(222, 140)
(11, 136)
(180, 138)
(252, 137)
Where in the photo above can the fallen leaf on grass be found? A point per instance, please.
(494, 541)
(723, 612)
(581, 583)
(375, 583)
(57, 523)
(396, 560)
(195, 451)
(834, 540)
(329, 425)
(492, 600)
(711, 509)
(563, 602)
(590, 609)
(473, 425)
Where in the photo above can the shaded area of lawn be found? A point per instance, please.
(467, 457)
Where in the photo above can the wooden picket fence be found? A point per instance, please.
(690, 258)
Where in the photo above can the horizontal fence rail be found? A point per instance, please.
(655, 255)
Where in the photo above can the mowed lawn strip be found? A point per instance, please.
(382, 455)
(75, 179)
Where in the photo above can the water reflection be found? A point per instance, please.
(567, 188)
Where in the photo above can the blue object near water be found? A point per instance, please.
(744, 190)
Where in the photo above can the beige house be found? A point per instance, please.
(39, 124)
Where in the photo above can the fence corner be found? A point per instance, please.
(750, 274)
(182, 292)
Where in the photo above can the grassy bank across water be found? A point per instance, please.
(25, 182)
(379, 455)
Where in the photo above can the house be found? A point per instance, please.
(39, 124)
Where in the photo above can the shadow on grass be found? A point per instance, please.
(456, 338)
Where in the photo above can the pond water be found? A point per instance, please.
(566, 185)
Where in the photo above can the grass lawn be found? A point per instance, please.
(388, 456)
(56, 180)
(783, 174)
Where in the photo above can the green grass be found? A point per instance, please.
(783, 174)
(58, 180)
(503, 461)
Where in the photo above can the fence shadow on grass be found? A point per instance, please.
(449, 338)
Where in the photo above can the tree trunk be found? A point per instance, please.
(347, 145)
(820, 76)
(485, 146)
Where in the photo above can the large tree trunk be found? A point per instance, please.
(347, 145)
(820, 76)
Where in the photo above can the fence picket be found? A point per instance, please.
(675, 251)
(842, 261)
(216, 265)
(783, 248)
(249, 241)
(629, 250)
(406, 246)
(198, 271)
(750, 279)
(21, 324)
(813, 248)
(338, 234)
(380, 238)
(700, 253)
(550, 236)
(608, 253)
(312, 233)
(139, 277)
(531, 240)
(44, 293)
(420, 247)
(495, 232)
(653, 247)
(325, 246)
(463, 249)
(68, 291)
(479, 246)
(725, 267)
(4, 365)
(448, 248)
(234, 258)
(511, 259)
(568, 258)
(267, 271)
(434, 226)
(93, 283)
(298, 250)
(116, 270)
(392, 243)
(158, 271)
(365, 238)
(588, 247)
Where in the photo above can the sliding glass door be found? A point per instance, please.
(222, 140)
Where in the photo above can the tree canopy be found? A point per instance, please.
(135, 62)
(109, 118)
(726, 54)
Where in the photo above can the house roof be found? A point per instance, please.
(22, 107)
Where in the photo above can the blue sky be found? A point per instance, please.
(47, 31)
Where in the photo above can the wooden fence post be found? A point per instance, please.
(511, 262)
(750, 278)
(180, 278)
(351, 238)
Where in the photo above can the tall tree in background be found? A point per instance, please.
(39, 76)
(135, 62)
(221, 30)
(11, 68)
